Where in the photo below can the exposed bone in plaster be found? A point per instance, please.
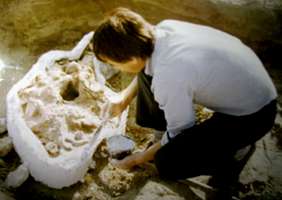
(65, 95)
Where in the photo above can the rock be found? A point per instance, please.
(77, 196)
(3, 127)
(4, 196)
(93, 164)
(17, 177)
(119, 146)
(94, 192)
(116, 180)
(156, 191)
(6, 146)
(2, 163)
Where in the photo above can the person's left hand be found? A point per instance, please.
(117, 106)
(129, 161)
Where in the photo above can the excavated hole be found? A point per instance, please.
(70, 92)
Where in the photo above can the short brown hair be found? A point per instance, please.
(123, 35)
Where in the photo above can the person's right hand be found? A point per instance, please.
(129, 161)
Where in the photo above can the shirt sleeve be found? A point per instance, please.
(175, 97)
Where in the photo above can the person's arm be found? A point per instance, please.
(130, 92)
(126, 97)
(138, 158)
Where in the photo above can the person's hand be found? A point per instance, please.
(129, 161)
(117, 105)
(137, 158)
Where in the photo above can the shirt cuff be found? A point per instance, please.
(165, 139)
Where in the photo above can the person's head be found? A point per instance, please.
(124, 39)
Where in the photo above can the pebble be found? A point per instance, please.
(77, 196)
(4, 196)
(92, 164)
(3, 127)
(6, 145)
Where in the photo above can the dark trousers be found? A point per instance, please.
(204, 149)
(148, 113)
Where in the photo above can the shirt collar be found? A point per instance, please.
(148, 68)
(158, 33)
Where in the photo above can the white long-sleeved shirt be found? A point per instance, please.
(199, 64)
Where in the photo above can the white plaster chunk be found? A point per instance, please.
(53, 114)
(18, 177)
(118, 144)
(6, 146)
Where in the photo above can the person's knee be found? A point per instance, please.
(167, 168)
(164, 166)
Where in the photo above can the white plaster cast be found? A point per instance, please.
(53, 114)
